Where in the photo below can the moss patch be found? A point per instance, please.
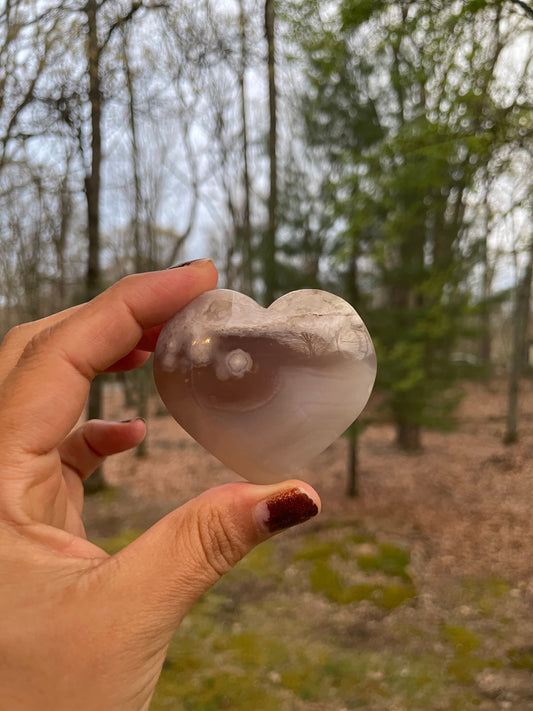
(355, 567)
(521, 658)
(388, 559)
(484, 594)
(284, 631)
(462, 639)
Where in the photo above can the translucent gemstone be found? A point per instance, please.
(265, 390)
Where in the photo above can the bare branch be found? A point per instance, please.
(525, 7)
(135, 7)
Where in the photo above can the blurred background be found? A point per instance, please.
(379, 149)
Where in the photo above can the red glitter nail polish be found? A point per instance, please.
(289, 508)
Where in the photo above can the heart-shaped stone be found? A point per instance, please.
(265, 390)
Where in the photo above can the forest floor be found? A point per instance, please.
(416, 596)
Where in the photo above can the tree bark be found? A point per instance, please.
(485, 345)
(247, 272)
(408, 436)
(518, 356)
(92, 192)
(140, 375)
(352, 294)
(352, 489)
(269, 246)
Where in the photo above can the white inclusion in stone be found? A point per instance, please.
(238, 362)
(169, 359)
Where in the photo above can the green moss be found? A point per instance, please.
(465, 667)
(360, 592)
(251, 648)
(521, 658)
(484, 594)
(358, 537)
(114, 544)
(304, 685)
(315, 547)
(326, 581)
(395, 595)
(212, 692)
(260, 561)
(254, 643)
(109, 494)
(388, 559)
(462, 639)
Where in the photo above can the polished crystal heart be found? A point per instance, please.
(265, 390)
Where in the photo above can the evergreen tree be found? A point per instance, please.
(401, 104)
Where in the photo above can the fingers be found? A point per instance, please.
(164, 571)
(133, 360)
(86, 448)
(43, 396)
(18, 338)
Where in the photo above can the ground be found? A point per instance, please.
(417, 595)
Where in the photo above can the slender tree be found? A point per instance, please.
(269, 242)
(246, 229)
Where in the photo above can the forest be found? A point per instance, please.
(378, 149)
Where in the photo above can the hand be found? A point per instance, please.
(80, 629)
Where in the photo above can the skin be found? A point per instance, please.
(80, 629)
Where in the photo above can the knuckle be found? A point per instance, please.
(35, 342)
(219, 540)
(124, 283)
(16, 337)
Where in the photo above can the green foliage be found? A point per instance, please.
(402, 124)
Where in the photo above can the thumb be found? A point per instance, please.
(159, 576)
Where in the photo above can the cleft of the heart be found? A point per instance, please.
(265, 390)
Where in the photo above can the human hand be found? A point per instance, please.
(82, 630)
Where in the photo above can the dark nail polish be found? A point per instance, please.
(189, 263)
(289, 509)
(132, 419)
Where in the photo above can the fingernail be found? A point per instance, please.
(192, 262)
(286, 509)
(132, 419)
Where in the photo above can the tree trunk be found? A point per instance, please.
(92, 192)
(485, 345)
(269, 246)
(352, 489)
(140, 376)
(520, 328)
(408, 436)
(352, 294)
(60, 243)
(247, 272)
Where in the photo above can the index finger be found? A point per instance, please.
(44, 395)
(17, 338)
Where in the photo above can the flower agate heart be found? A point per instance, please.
(265, 390)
